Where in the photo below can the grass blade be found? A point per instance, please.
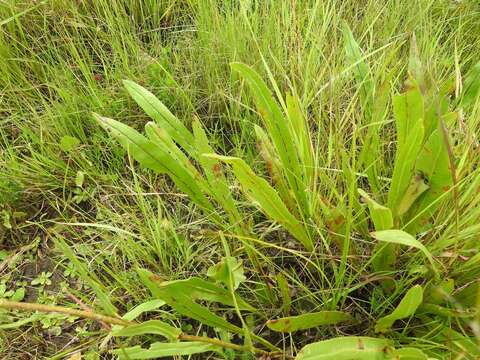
(361, 70)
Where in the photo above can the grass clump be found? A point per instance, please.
(276, 179)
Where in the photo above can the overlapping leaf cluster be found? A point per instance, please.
(394, 212)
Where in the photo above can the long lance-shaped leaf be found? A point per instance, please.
(408, 353)
(260, 191)
(195, 288)
(347, 348)
(159, 350)
(307, 321)
(212, 168)
(180, 295)
(370, 156)
(160, 113)
(434, 164)
(384, 254)
(415, 189)
(407, 307)
(408, 109)
(163, 139)
(415, 67)
(156, 158)
(183, 304)
(274, 167)
(381, 216)
(471, 88)
(402, 238)
(156, 327)
(143, 307)
(281, 133)
(304, 142)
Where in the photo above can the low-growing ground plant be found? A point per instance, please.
(277, 208)
(424, 173)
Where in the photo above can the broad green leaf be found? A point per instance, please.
(280, 130)
(18, 295)
(182, 303)
(434, 164)
(180, 294)
(163, 139)
(143, 307)
(381, 216)
(384, 255)
(156, 327)
(302, 132)
(370, 155)
(221, 271)
(274, 168)
(416, 188)
(404, 168)
(307, 321)
(408, 109)
(361, 70)
(260, 191)
(456, 340)
(402, 238)
(471, 87)
(408, 354)
(437, 293)
(159, 349)
(69, 143)
(448, 313)
(19, 323)
(435, 110)
(159, 112)
(415, 68)
(346, 348)
(79, 178)
(156, 158)
(407, 307)
(194, 288)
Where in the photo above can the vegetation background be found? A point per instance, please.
(80, 216)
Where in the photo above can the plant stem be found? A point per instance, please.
(14, 305)
(6, 304)
(228, 345)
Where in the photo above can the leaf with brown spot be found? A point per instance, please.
(307, 321)
(347, 348)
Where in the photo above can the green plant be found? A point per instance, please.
(43, 279)
(326, 207)
(285, 202)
